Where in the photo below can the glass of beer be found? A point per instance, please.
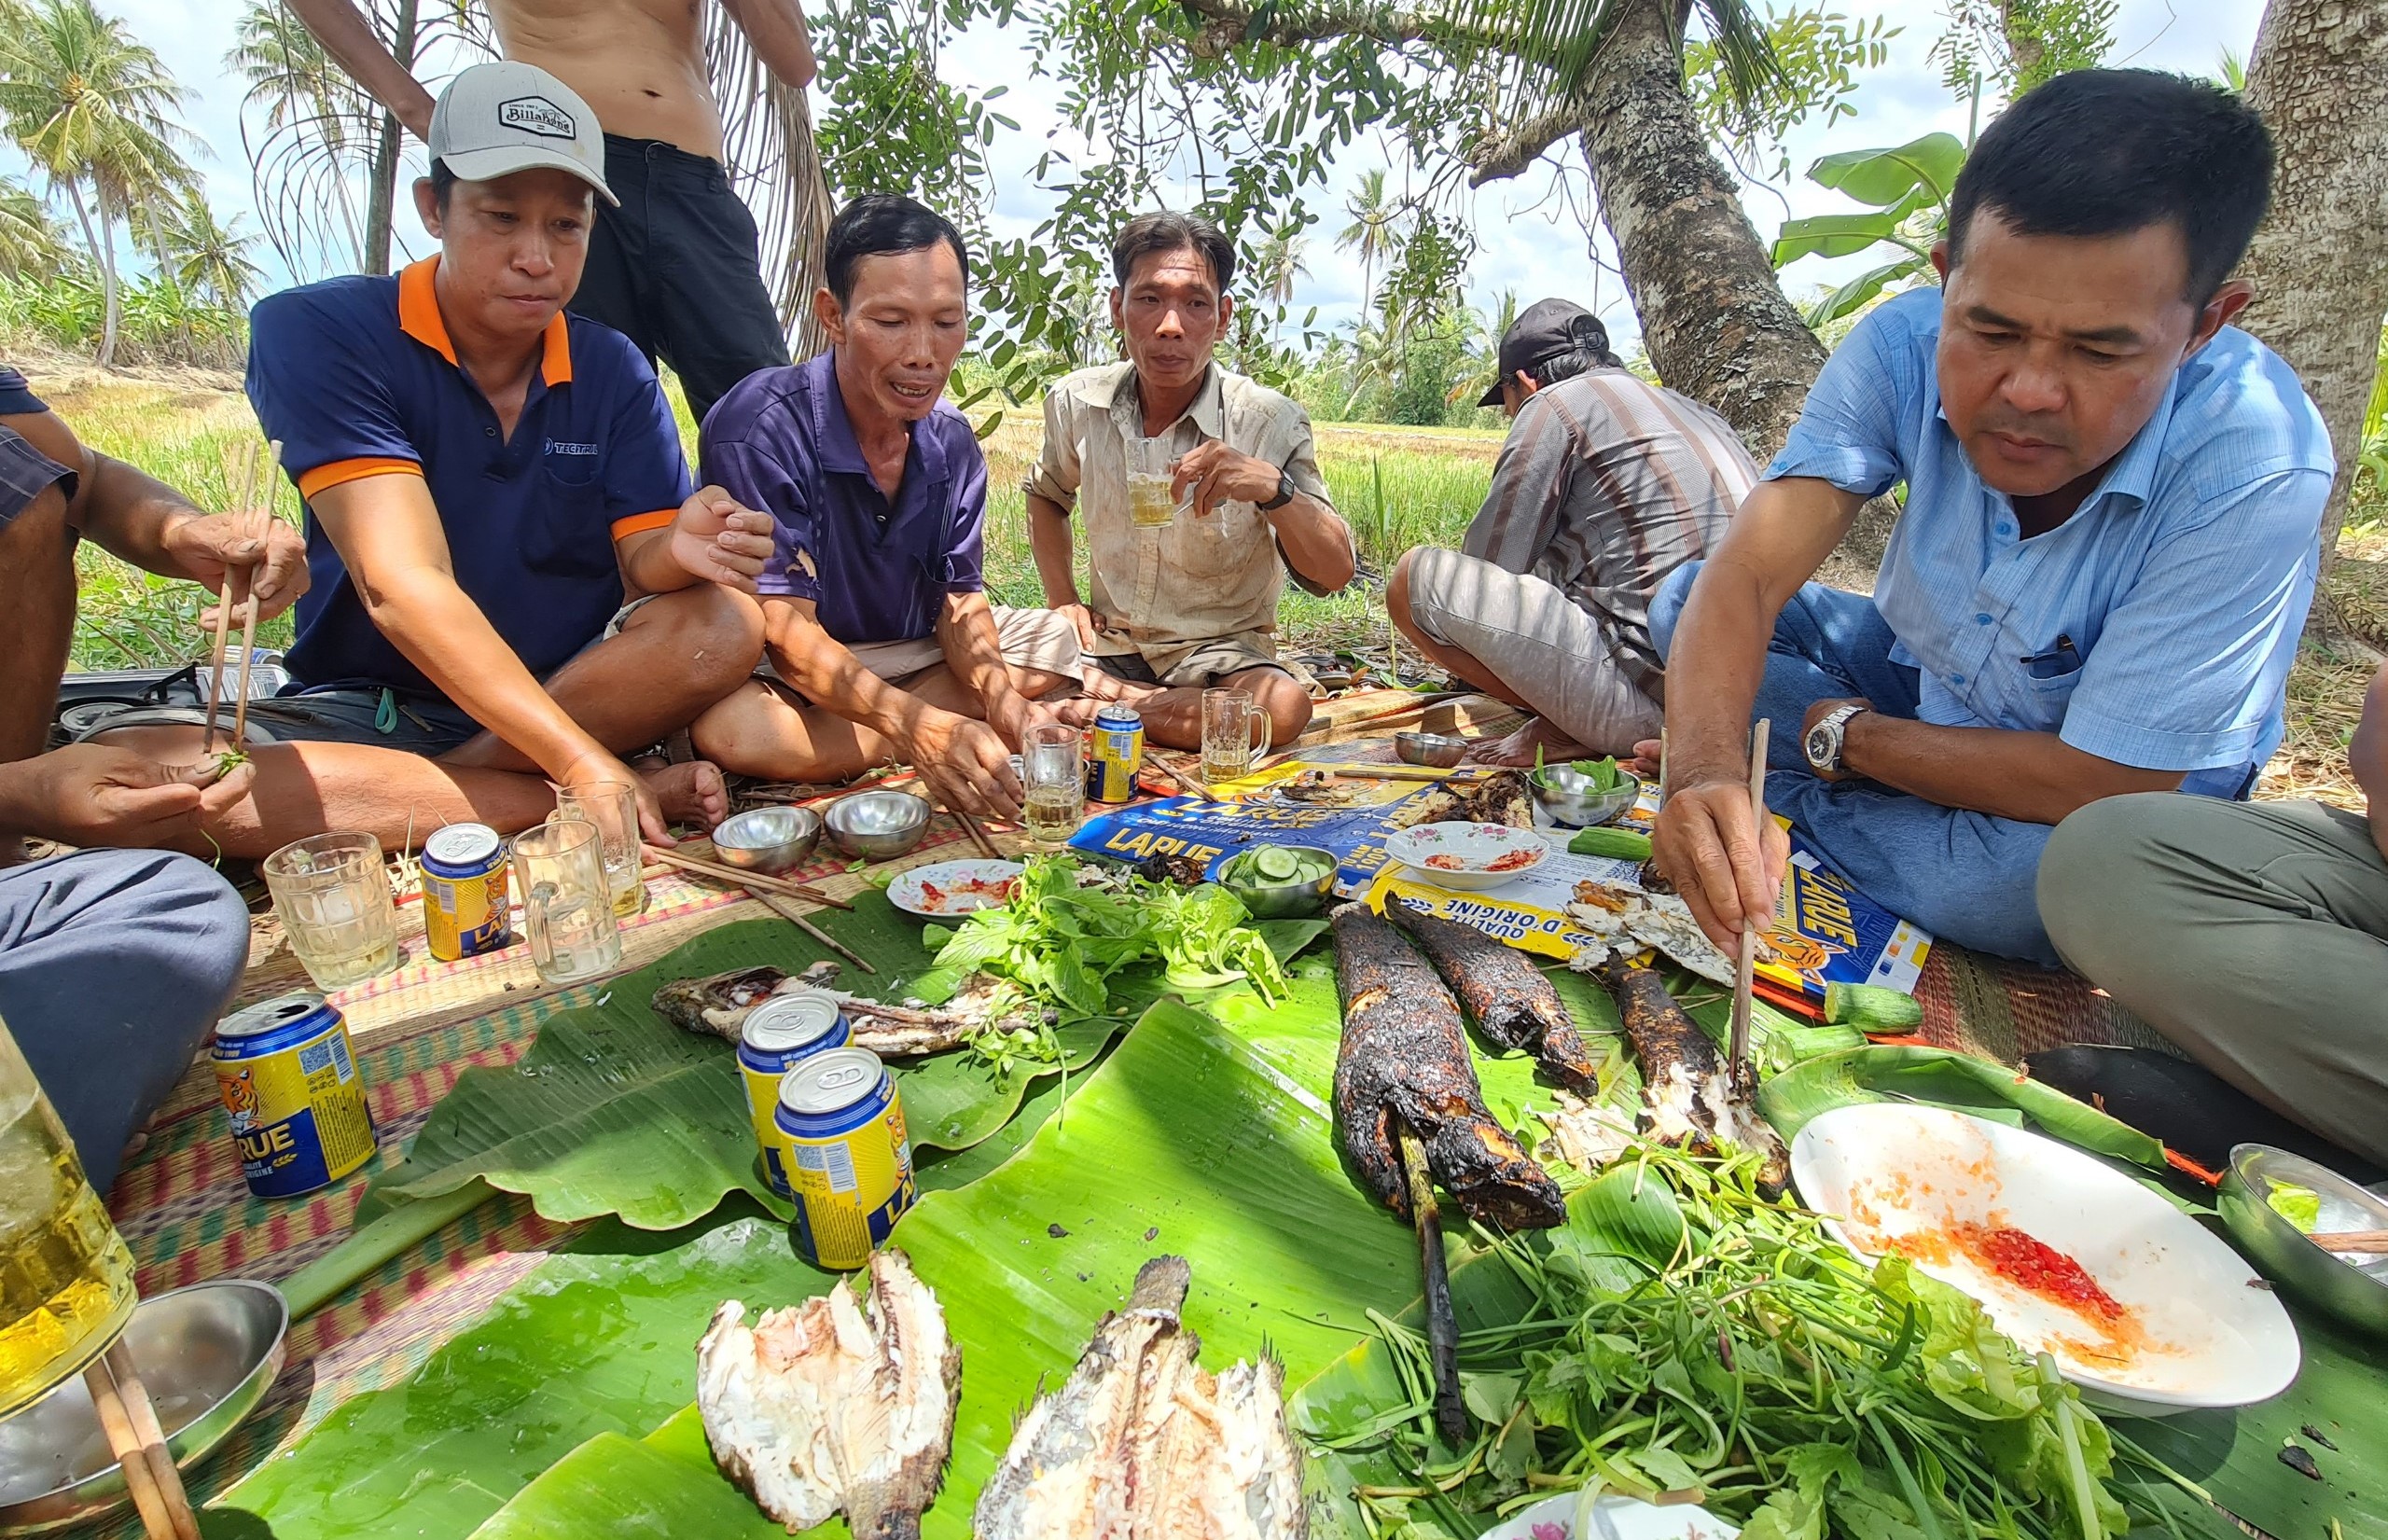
(567, 907)
(333, 895)
(65, 1276)
(1228, 750)
(1052, 778)
(613, 809)
(1150, 502)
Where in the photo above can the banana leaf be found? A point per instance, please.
(1885, 176)
(1886, 1072)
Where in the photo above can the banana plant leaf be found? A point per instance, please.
(1886, 1072)
(1883, 177)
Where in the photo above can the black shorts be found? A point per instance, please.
(25, 473)
(677, 270)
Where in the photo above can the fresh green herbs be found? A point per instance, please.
(1688, 1340)
(1604, 775)
(2299, 1206)
(226, 762)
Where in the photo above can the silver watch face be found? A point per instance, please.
(1820, 745)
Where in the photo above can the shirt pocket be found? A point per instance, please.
(2041, 684)
(1209, 549)
(569, 535)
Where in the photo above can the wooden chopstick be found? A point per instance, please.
(2370, 1243)
(258, 478)
(1745, 965)
(795, 917)
(978, 836)
(1178, 775)
(139, 1444)
(752, 881)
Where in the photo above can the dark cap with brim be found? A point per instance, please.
(1548, 329)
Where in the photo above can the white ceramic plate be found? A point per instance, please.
(1611, 1519)
(2197, 1328)
(951, 889)
(1468, 857)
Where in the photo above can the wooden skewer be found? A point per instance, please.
(978, 835)
(2369, 1243)
(1745, 966)
(1178, 775)
(260, 478)
(139, 1444)
(752, 881)
(1404, 772)
(1442, 1325)
(796, 917)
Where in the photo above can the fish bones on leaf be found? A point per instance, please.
(833, 1407)
(1689, 1094)
(1141, 1443)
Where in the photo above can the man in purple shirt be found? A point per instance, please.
(881, 643)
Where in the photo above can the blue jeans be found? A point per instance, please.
(1965, 877)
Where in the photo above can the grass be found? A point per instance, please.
(1399, 487)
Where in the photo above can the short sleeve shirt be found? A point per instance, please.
(2155, 626)
(357, 378)
(17, 397)
(877, 570)
(25, 472)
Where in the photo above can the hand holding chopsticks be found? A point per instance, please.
(248, 478)
(1745, 964)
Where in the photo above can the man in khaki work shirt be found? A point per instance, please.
(1188, 600)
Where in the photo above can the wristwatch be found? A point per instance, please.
(1284, 494)
(1823, 740)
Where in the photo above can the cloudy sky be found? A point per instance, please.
(1528, 244)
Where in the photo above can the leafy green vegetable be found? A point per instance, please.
(1602, 773)
(2299, 1206)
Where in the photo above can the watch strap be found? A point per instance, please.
(1284, 494)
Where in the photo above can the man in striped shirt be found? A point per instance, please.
(1605, 486)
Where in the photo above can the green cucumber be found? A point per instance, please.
(1617, 844)
(1275, 864)
(1873, 1008)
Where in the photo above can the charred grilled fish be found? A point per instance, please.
(1506, 996)
(1688, 1093)
(1404, 1056)
(1140, 1442)
(716, 1007)
(1504, 797)
(832, 1406)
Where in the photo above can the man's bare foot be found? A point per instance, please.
(1101, 685)
(693, 793)
(1520, 746)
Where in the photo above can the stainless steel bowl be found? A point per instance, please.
(1286, 900)
(1439, 749)
(207, 1354)
(875, 824)
(1571, 797)
(2355, 1293)
(768, 840)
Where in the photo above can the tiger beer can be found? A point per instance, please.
(285, 1074)
(778, 1034)
(849, 1160)
(1115, 753)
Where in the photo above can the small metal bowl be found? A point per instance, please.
(1439, 749)
(2355, 1293)
(1571, 797)
(1286, 900)
(768, 840)
(207, 1354)
(875, 824)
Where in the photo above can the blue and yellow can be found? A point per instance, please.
(285, 1071)
(464, 892)
(843, 1129)
(1115, 754)
(778, 1034)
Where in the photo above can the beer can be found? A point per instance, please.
(849, 1160)
(284, 1072)
(780, 1033)
(1115, 751)
(464, 892)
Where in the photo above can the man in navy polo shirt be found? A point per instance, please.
(486, 480)
(881, 640)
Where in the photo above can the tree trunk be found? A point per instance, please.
(2321, 286)
(103, 257)
(389, 143)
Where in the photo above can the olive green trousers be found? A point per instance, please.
(2253, 935)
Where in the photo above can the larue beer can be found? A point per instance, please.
(284, 1072)
(847, 1158)
(1115, 751)
(779, 1033)
(464, 892)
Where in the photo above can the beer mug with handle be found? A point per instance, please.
(1229, 749)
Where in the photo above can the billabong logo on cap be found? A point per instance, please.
(537, 115)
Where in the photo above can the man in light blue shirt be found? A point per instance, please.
(2105, 557)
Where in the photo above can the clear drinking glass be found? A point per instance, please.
(1228, 751)
(1149, 500)
(333, 895)
(567, 909)
(613, 809)
(1052, 778)
(65, 1276)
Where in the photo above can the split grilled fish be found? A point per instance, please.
(1689, 1095)
(830, 1406)
(1504, 797)
(1506, 996)
(1404, 1055)
(1141, 1443)
(716, 1007)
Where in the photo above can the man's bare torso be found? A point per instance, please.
(639, 63)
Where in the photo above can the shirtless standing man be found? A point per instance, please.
(677, 268)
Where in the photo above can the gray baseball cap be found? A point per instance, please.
(495, 119)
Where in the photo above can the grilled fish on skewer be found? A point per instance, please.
(1506, 996)
(1140, 1442)
(1688, 1093)
(1404, 1055)
(834, 1407)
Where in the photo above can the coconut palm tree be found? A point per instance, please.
(204, 254)
(94, 110)
(30, 242)
(1281, 263)
(1373, 229)
(315, 135)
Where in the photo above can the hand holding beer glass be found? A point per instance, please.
(1052, 775)
(1151, 467)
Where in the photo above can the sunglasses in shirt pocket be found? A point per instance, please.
(569, 533)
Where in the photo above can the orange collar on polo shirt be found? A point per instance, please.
(419, 317)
